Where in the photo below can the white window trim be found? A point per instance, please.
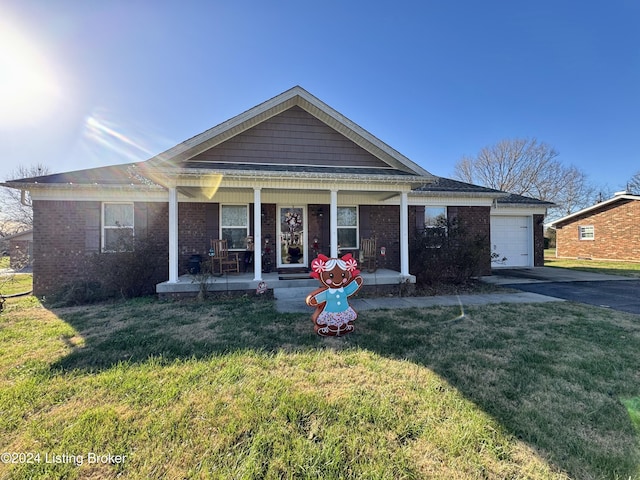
(105, 227)
(446, 215)
(356, 227)
(445, 227)
(582, 231)
(247, 226)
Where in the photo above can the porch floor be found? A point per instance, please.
(190, 284)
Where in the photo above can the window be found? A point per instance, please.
(117, 227)
(586, 232)
(435, 217)
(348, 227)
(234, 225)
(435, 225)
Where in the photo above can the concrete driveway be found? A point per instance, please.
(609, 291)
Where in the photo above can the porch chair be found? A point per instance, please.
(223, 261)
(368, 254)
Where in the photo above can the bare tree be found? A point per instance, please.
(530, 168)
(633, 185)
(16, 210)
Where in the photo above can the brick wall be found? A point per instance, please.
(67, 233)
(616, 233)
(59, 243)
(194, 236)
(538, 240)
(268, 215)
(383, 223)
(319, 228)
(475, 222)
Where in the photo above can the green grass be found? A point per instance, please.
(233, 389)
(627, 269)
(16, 283)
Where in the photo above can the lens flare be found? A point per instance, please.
(100, 132)
(209, 185)
(29, 87)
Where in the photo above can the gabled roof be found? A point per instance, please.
(128, 174)
(619, 197)
(296, 96)
(112, 174)
(176, 160)
(26, 233)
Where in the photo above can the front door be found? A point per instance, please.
(292, 236)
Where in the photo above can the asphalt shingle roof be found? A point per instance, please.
(448, 185)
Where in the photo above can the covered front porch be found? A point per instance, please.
(382, 280)
(289, 221)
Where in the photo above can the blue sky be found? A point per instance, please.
(89, 83)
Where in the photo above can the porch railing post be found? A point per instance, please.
(333, 224)
(173, 235)
(257, 235)
(404, 235)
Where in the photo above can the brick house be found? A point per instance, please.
(20, 248)
(609, 230)
(292, 173)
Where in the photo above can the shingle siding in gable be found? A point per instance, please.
(292, 137)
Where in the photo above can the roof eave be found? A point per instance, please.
(615, 199)
(525, 205)
(176, 173)
(69, 185)
(466, 194)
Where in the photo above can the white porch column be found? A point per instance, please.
(404, 235)
(173, 235)
(333, 224)
(257, 235)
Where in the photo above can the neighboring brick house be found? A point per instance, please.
(292, 173)
(20, 248)
(609, 230)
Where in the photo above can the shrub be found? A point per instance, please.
(132, 271)
(79, 292)
(447, 255)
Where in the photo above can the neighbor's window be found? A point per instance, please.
(117, 227)
(586, 232)
(348, 227)
(234, 225)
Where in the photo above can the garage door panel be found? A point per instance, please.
(510, 238)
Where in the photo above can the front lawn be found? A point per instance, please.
(627, 269)
(233, 389)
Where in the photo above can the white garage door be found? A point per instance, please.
(511, 238)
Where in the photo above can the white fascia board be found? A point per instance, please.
(78, 193)
(518, 211)
(289, 180)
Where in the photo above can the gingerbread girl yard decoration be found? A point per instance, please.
(340, 279)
